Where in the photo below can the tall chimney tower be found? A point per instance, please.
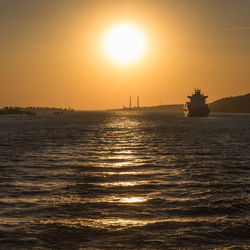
(130, 102)
(138, 102)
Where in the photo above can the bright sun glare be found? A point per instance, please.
(124, 44)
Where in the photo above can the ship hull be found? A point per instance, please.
(197, 112)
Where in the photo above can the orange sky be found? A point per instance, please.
(52, 53)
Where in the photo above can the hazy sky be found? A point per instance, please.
(51, 52)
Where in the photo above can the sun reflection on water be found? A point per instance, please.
(121, 157)
(133, 199)
(117, 224)
(123, 183)
(122, 164)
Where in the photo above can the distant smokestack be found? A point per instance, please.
(130, 102)
(138, 102)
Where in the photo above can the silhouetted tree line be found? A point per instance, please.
(32, 110)
(45, 109)
(236, 104)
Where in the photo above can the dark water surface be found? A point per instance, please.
(124, 180)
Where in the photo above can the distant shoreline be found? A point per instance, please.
(235, 104)
(168, 108)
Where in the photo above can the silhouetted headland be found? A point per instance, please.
(236, 104)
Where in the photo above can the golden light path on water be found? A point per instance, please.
(123, 183)
(122, 158)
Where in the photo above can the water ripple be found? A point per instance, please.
(124, 180)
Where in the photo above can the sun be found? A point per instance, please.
(124, 44)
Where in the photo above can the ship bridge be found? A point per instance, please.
(198, 98)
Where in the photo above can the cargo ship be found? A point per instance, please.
(197, 105)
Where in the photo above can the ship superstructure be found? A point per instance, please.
(197, 105)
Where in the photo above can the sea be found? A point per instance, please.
(124, 180)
